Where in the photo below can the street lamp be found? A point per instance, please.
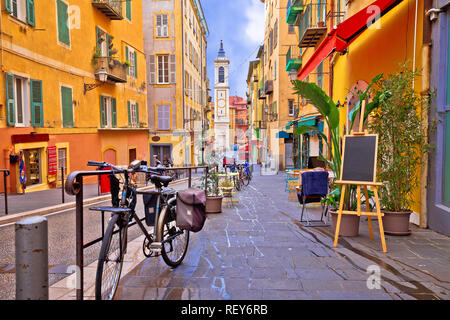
(293, 75)
(102, 76)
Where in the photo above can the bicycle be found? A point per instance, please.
(237, 180)
(247, 174)
(166, 239)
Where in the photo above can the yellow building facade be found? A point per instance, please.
(74, 77)
(175, 45)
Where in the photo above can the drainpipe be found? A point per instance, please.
(426, 61)
(415, 42)
(182, 76)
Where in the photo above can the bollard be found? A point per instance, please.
(62, 183)
(32, 259)
(190, 178)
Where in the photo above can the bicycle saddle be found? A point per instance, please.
(162, 180)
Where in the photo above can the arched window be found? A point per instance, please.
(221, 75)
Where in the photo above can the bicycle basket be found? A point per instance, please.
(191, 209)
(150, 208)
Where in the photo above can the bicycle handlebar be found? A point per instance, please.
(103, 164)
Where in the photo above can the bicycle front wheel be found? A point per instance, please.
(175, 240)
(110, 260)
(246, 179)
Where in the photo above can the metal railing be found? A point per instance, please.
(5, 174)
(111, 8)
(74, 186)
(293, 8)
(293, 58)
(314, 17)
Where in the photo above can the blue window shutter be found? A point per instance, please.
(114, 112)
(102, 113)
(8, 5)
(10, 101)
(37, 117)
(30, 13)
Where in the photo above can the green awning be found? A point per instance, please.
(309, 121)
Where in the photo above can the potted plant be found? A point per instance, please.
(402, 144)
(331, 115)
(213, 196)
(226, 187)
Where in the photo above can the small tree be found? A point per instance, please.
(402, 138)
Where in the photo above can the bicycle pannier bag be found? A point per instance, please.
(150, 208)
(191, 209)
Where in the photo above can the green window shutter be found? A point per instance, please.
(128, 9)
(127, 58)
(10, 102)
(97, 35)
(102, 112)
(63, 23)
(30, 13)
(137, 114)
(8, 5)
(114, 112)
(108, 44)
(135, 65)
(129, 113)
(67, 107)
(37, 118)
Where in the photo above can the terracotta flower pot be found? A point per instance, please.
(349, 224)
(214, 204)
(396, 223)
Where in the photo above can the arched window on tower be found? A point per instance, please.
(221, 75)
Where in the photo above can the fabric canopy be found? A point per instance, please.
(345, 33)
(282, 134)
(309, 121)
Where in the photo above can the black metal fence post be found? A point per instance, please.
(5, 174)
(62, 183)
(79, 236)
(190, 178)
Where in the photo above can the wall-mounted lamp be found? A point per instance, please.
(293, 75)
(102, 76)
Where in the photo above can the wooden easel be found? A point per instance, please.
(361, 184)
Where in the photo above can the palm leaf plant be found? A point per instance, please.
(329, 111)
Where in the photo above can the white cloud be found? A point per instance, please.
(254, 29)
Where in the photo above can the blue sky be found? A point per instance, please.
(240, 24)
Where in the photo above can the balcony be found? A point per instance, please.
(293, 58)
(261, 95)
(336, 16)
(294, 7)
(111, 8)
(117, 71)
(312, 24)
(268, 87)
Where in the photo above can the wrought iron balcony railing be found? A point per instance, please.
(111, 8)
(293, 58)
(117, 71)
(294, 7)
(313, 24)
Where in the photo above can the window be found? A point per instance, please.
(33, 166)
(63, 22)
(291, 108)
(67, 106)
(132, 59)
(221, 75)
(62, 162)
(22, 10)
(163, 116)
(22, 96)
(162, 26)
(320, 75)
(275, 34)
(133, 114)
(291, 28)
(108, 112)
(163, 69)
(128, 9)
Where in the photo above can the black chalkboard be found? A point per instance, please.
(359, 158)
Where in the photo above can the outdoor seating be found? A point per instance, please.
(314, 187)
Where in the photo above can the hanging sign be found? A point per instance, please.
(52, 161)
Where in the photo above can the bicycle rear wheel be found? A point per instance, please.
(175, 240)
(110, 260)
(246, 179)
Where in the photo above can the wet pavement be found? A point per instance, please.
(258, 249)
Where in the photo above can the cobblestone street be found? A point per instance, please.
(258, 249)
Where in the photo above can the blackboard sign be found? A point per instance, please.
(359, 158)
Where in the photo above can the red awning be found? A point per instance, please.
(345, 33)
